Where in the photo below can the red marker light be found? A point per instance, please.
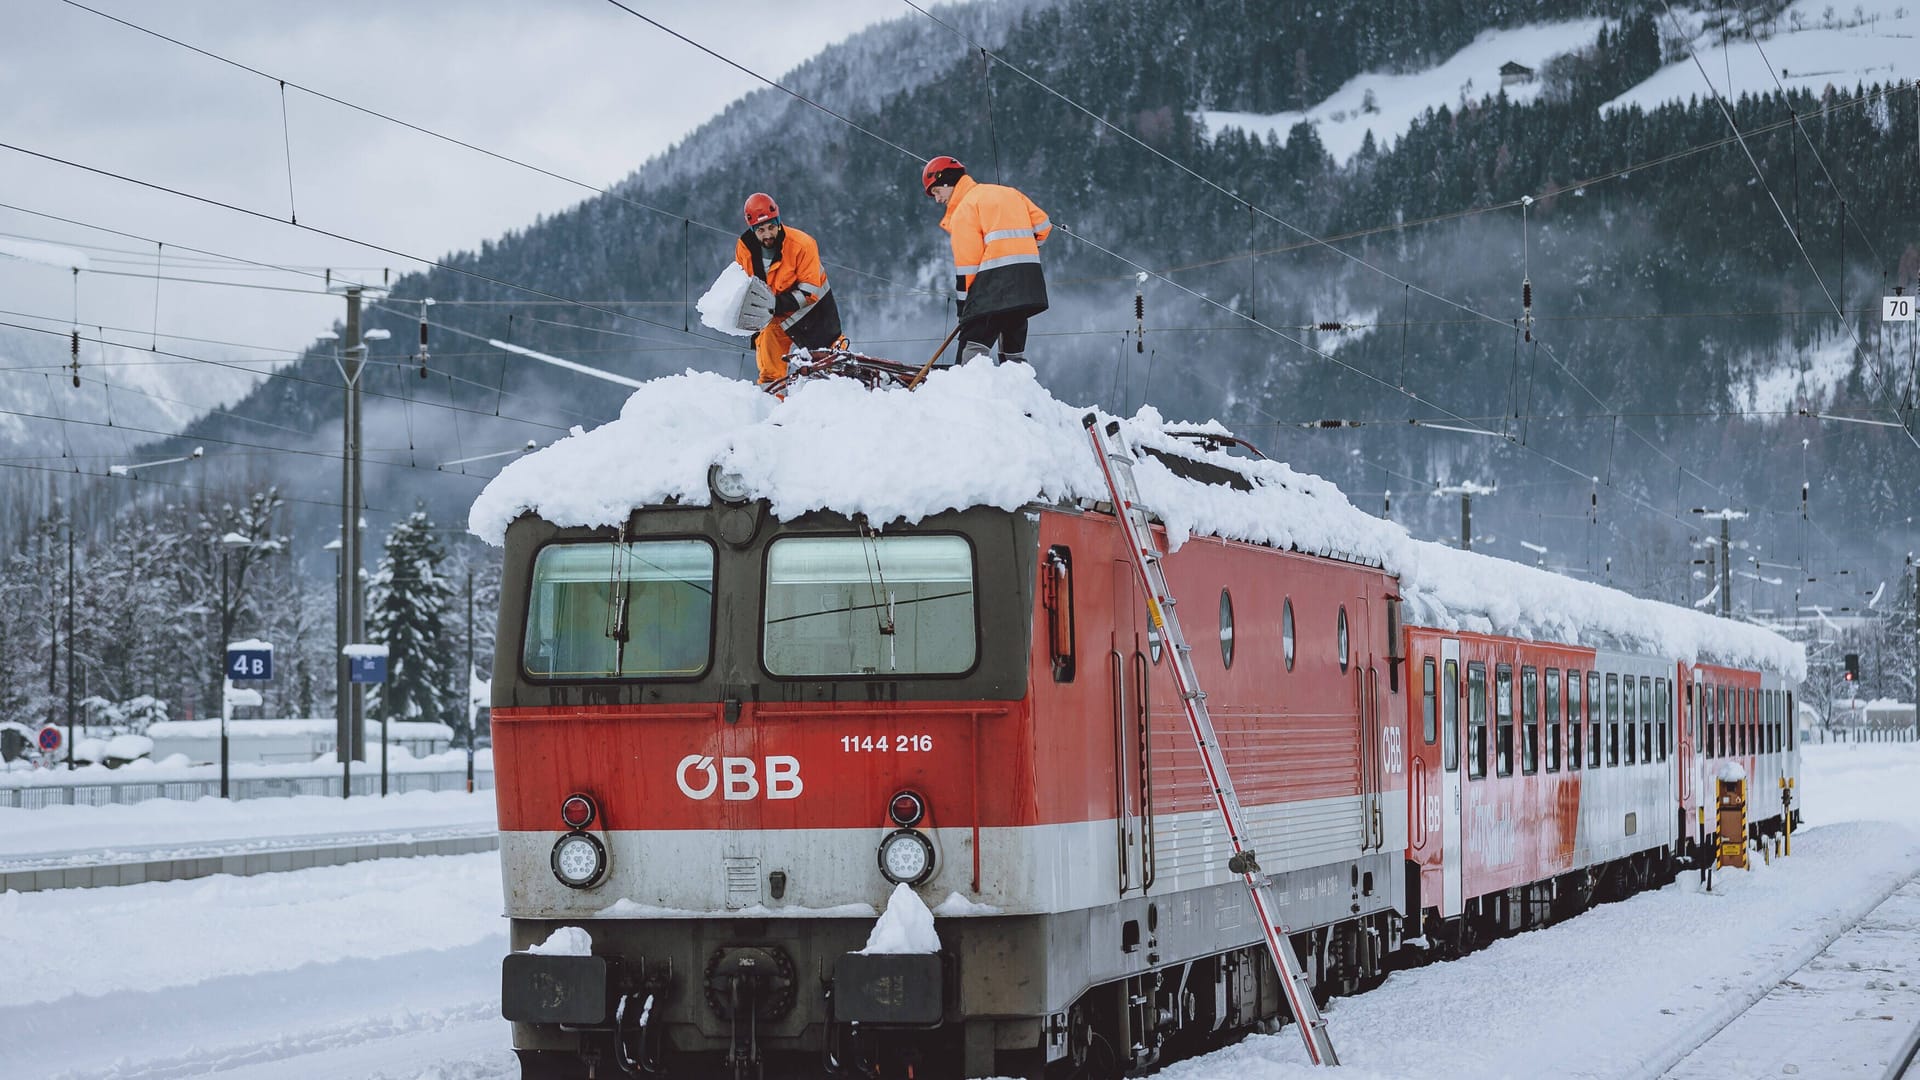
(906, 809)
(578, 811)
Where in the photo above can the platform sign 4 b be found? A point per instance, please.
(1896, 309)
(249, 660)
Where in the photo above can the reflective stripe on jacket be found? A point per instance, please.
(795, 270)
(996, 233)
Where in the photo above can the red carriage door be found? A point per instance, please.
(1128, 711)
(1453, 835)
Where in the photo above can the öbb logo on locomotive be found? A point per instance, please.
(742, 779)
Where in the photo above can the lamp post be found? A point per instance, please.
(227, 544)
(343, 720)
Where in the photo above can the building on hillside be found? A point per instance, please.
(1512, 73)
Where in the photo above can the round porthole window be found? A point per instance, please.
(1286, 632)
(1226, 628)
(1342, 635)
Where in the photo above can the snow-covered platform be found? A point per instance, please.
(62, 847)
(173, 862)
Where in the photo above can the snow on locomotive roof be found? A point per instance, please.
(993, 436)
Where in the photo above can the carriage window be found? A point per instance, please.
(608, 611)
(1529, 720)
(1226, 628)
(1793, 723)
(1628, 715)
(1286, 632)
(1594, 718)
(1450, 717)
(1719, 721)
(1576, 720)
(1663, 708)
(1613, 720)
(1503, 719)
(1553, 720)
(1341, 633)
(881, 605)
(1428, 721)
(1476, 720)
(1646, 719)
(1746, 721)
(1778, 721)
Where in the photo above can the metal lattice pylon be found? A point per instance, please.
(1116, 464)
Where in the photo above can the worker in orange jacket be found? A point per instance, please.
(996, 234)
(805, 312)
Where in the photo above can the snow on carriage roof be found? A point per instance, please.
(980, 435)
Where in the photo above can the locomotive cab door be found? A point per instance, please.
(1453, 834)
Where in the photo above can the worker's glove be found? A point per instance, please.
(787, 303)
(756, 306)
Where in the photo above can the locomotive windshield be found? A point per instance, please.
(604, 611)
(873, 605)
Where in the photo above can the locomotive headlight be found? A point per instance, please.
(579, 859)
(728, 484)
(906, 856)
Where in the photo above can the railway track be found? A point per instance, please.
(1863, 971)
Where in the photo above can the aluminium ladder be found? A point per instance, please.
(1116, 464)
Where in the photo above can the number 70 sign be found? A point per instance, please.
(1896, 309)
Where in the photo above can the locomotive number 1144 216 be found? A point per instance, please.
(886, 744)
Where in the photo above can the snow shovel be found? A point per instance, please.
(928, 366)
(756, 306)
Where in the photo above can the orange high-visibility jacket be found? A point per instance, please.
(996, 233)
(794, 273)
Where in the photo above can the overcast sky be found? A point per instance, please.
(578, 87)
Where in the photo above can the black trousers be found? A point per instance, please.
(1010, 330)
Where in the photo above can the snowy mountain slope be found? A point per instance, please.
(1812, 45)
(1386, 103)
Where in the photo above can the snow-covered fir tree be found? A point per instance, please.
(408, 597)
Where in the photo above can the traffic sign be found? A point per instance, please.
(249, 663)
(49, 739)
(1896, 309)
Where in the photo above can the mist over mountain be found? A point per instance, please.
(1677, 327)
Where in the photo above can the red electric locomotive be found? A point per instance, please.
(724, 737)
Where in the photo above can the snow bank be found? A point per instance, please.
(905, 927)
(1023, 446)
(565, 941)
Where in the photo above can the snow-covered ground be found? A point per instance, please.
(390, 970)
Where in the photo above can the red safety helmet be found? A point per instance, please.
(940, 170)
(761, 209)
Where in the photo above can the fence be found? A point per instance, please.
(108, 792)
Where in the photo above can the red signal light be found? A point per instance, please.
(907, 808)
(578, 811)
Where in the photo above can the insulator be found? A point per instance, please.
(1139, 306)
(1526, 294)
(73, 347)
(1329, 326)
